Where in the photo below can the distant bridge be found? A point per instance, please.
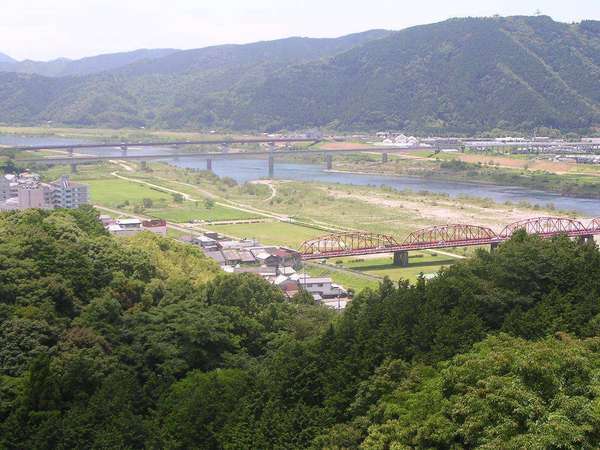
(125, 145)
(436, 237)
(210, 156)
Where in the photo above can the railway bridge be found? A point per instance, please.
(441, 236)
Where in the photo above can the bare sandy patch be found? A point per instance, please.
(442, 211)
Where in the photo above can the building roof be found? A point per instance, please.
(64, 183)
(262, 255)
(204, 239)
(217, 256)
(154, 223)
(316, 280)
(129, 221)
(246, 256)
(256, 270)
(231, 255)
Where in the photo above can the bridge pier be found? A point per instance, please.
(384, 158)
(123, 150)
(209, 165)
(70, 151)
(587, 239)
(144, 165)
(401, 258)
(73, 168)
(494, 246)
(271, 166)
(328, 161)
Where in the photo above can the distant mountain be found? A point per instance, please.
(461, 75)
(6, 59)
(95, 64)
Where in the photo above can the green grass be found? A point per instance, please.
(113, 192)
(273, 233)
(188, 211)
(426, 263)
(347, 280)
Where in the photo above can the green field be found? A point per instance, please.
(347, 280)
(418, 262)
(114, 192)
(276, 233)
(189, 211)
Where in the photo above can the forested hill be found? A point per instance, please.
(461, 75)
(85, 66)
(141, 343)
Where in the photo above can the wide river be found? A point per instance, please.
(243, 170)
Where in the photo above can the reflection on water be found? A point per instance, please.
(243, 170)
(252, 169)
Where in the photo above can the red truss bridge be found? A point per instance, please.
(443, 236)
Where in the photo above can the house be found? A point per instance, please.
(232, 257)
(205, 242)
(157, 226)
(125, 227)
(289, 287)
(106, 219)
(286, 257)
(321, 286)
(231, 244)
(216, 256)
(246, 257)
(264, 255)
(265, 272)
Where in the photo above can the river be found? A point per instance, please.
(243, 170)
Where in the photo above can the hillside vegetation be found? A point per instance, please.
(141, 343)
(63, 67)
(459, 76)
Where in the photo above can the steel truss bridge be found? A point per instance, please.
(441, 236)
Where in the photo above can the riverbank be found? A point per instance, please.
(579, 181)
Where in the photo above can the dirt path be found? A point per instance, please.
(271, 186)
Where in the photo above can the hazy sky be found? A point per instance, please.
(46, 29)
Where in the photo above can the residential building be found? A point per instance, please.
(157, 226)
(35, 196)
(27, 191)
(5, 193)
(322, 287)
(67, 194)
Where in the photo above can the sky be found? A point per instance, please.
(48, 29)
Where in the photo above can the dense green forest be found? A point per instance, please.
(142, 343)
(465, 75)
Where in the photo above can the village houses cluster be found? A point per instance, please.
(278, 265)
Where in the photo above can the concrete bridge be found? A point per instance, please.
(270, 156)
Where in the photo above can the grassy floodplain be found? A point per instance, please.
(320, 206)
(286, 234)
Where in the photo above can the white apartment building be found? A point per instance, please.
(26, 191)
(67, 194)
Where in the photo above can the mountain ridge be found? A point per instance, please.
(61, 67)
(462, 75)
(4, 58)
